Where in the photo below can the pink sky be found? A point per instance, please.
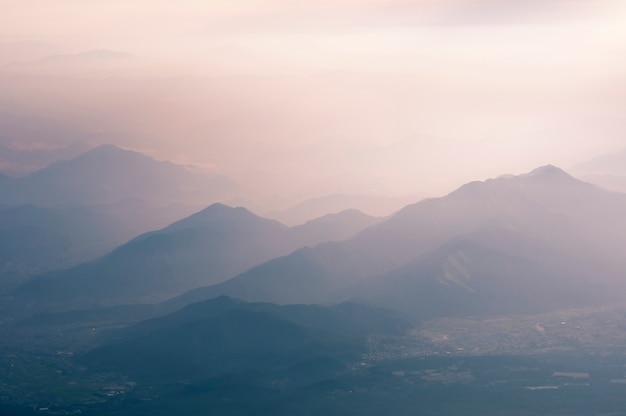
(310, 98)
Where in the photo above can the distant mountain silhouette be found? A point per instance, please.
(94, 202)
(313, 208)
(607, 171)
(31, 240)
(545, 221)
(109, 174)
(18, 162)
(613, 163)
(207, 247)
(616, 183)
(332, 227)
(36, 239)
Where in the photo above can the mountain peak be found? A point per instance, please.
(106, 148)
(219, 209)
(222, 215)
(116, 158)
(547, 171)
(110, 152)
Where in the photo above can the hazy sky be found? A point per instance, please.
(314, 97)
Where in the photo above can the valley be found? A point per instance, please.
(566, 359)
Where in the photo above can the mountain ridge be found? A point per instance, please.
(566, 226)
(107, 174)
(211, 245)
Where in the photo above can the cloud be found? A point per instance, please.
(507, 12)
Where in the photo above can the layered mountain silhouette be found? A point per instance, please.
(313, 208)
(515, 244)
(18, 162)
(78, 209)
(611, 163)
(332, 227)
(109, 174)
(543, 232)
(523, 244)
(208, 247)
(31, 238)
(608, 171)
(463, 278)
(37, 239)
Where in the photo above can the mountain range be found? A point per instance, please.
(108, 174)
(343, 310)
(19, 162)
(543, 232)
(36, 239)
(608, 171)
(208, 247)
(78, 208)
(317, 207)
(538, 241)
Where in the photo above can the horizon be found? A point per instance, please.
(274, 212)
